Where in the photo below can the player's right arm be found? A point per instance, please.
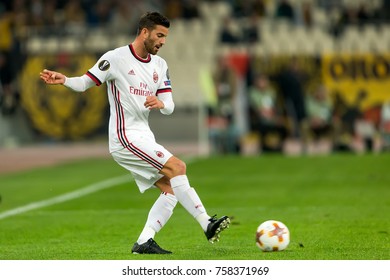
(97, 75)
(79, 84)
(52, 78)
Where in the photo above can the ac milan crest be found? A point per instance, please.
(159, 154)
(155, 76)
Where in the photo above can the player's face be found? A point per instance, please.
(156, 39)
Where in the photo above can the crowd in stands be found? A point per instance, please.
(124, 14)
(281, 109)
(339, 15)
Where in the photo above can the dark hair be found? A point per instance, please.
(151, 19)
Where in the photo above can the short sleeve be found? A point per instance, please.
(102, 70)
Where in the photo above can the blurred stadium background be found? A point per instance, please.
(216, 50)
(250, 77)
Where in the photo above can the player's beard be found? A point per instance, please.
(150, 46)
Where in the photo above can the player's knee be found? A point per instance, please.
(175, 167)
(180, 167)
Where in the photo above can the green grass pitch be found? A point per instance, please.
(337, 207)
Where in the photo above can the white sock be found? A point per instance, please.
(158, 216)
(190, 200)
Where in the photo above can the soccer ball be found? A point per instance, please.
(272, 236)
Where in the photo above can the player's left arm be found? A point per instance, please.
(167, 100)
(163, 99)
(164, 102)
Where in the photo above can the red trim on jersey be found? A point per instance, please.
(148, 59)
(120, 124)
(163, 90)
(94, 78)
(139, 153)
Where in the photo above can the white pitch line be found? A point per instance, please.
(67, 196)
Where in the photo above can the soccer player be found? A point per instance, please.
(137, 82)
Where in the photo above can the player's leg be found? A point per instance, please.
(175, 169)
(146, 176)
(158, 216)
(160, 212)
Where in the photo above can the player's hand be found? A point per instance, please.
(51, 77)
(152, 102)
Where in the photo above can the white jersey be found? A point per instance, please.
(129, 79)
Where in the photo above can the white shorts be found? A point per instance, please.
(144, 158)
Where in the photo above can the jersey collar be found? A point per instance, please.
(138, 57)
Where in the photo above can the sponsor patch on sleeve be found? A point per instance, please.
(167, 83)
